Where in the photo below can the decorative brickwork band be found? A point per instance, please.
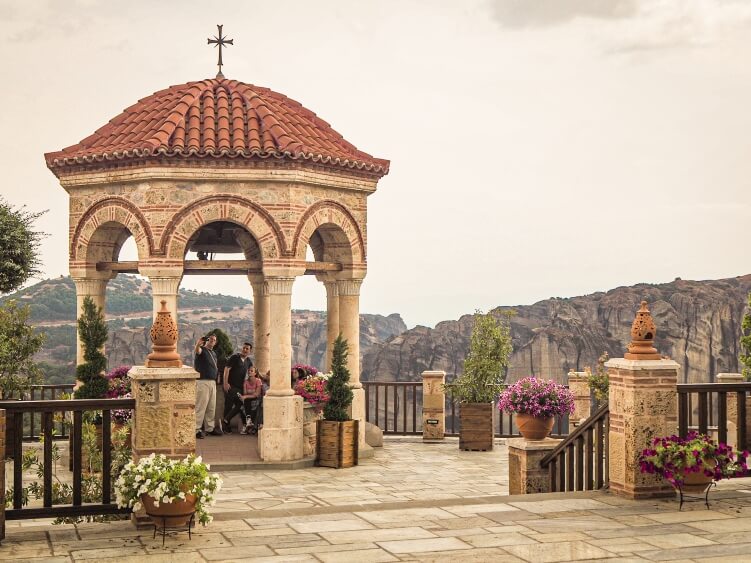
(643, 332)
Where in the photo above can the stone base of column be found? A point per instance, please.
(525, 476)
(357, 412)
(281, 438)
(433, 405)
(164, 421)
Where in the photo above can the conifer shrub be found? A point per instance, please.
(92, 330)
(340, 394)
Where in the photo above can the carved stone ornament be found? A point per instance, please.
(643, 332)
(164, 340)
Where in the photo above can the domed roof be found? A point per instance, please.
(217, 118)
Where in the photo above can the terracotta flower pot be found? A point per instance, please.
(534, 428)
(697, 482)
(170, 515)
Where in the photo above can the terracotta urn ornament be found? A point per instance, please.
(164, 338)
(643, 332)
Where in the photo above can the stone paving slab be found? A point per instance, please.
(458, 522)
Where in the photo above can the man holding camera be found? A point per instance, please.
(205, 364)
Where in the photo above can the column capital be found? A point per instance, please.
(165, 286)
(279, 286)
(90, 286)
(332, 288)
(349, 287)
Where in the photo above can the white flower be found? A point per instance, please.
(137, 506)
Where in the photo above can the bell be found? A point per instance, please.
(216, 238)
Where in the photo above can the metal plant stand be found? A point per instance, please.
(164, 528)
(695, 498)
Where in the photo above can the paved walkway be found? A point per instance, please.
(413, 502)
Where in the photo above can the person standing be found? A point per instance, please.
(233, 382)
(204, 362)
(252, 393)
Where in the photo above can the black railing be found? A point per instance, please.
(15, 410)
(704, 407)
(580, 462)
(396, 408)
(33, 420)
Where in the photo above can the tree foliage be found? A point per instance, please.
(340, 394)
(485, 365)
(19, 245)
(19, 341)
(92, 330)
(223, 348)
(746, 342)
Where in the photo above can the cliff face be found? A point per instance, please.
(698, 325)
(129, 346)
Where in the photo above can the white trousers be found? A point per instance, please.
(205, 404)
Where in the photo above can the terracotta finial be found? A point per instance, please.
(643, 332)
(164, 339)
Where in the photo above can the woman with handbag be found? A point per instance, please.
(252, 392)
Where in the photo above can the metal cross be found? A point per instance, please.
(220, 41)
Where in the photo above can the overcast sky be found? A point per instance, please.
(538, 148)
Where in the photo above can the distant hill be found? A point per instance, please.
(55, 299)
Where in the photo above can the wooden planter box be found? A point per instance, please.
(476, 431)
(337, 444)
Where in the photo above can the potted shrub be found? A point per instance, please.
(536, 403)
(169, 490)
(338, 435)
(690, 464)
(482, 380)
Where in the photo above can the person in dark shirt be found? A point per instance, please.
(235, 372)
(204, 362)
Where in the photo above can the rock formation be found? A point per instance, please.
(698, 325)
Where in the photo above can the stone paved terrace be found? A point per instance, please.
(413, 502)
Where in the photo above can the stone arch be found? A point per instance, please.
(249, 215)
(105, 226)
(332, 233)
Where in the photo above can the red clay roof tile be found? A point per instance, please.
(217, 118)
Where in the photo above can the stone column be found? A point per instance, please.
(165, 288)
(332, 320)
(260, 322)
(577, 384)
(88, 287)
(643, 406)
(164, 420)
(525, 476)
(732, 410)
(349, 326)
(433, 405)
(281, 438)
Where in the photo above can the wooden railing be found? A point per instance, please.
(396, 408)
(580, 462)
(15, 410)
(704, 407)
(33, 420)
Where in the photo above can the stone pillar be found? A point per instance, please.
(2, 474)
(643, 405)
(164, 420)
(525, 476)
(577, 384)
(332, 321)
(433, 405)
(260, 322)
(349, 325)
(732, 410)
(165, 288)
(88, 287)
(281, 438)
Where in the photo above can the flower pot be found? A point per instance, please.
(534, 428)
(698, 482)
(476, 426)
(175, 514)
(337, 444)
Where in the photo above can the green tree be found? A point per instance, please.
(485, 365)
(746, 342)
(223, 348)
(340, 394)
(19, 245)
(19, 341)
(92, 330)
